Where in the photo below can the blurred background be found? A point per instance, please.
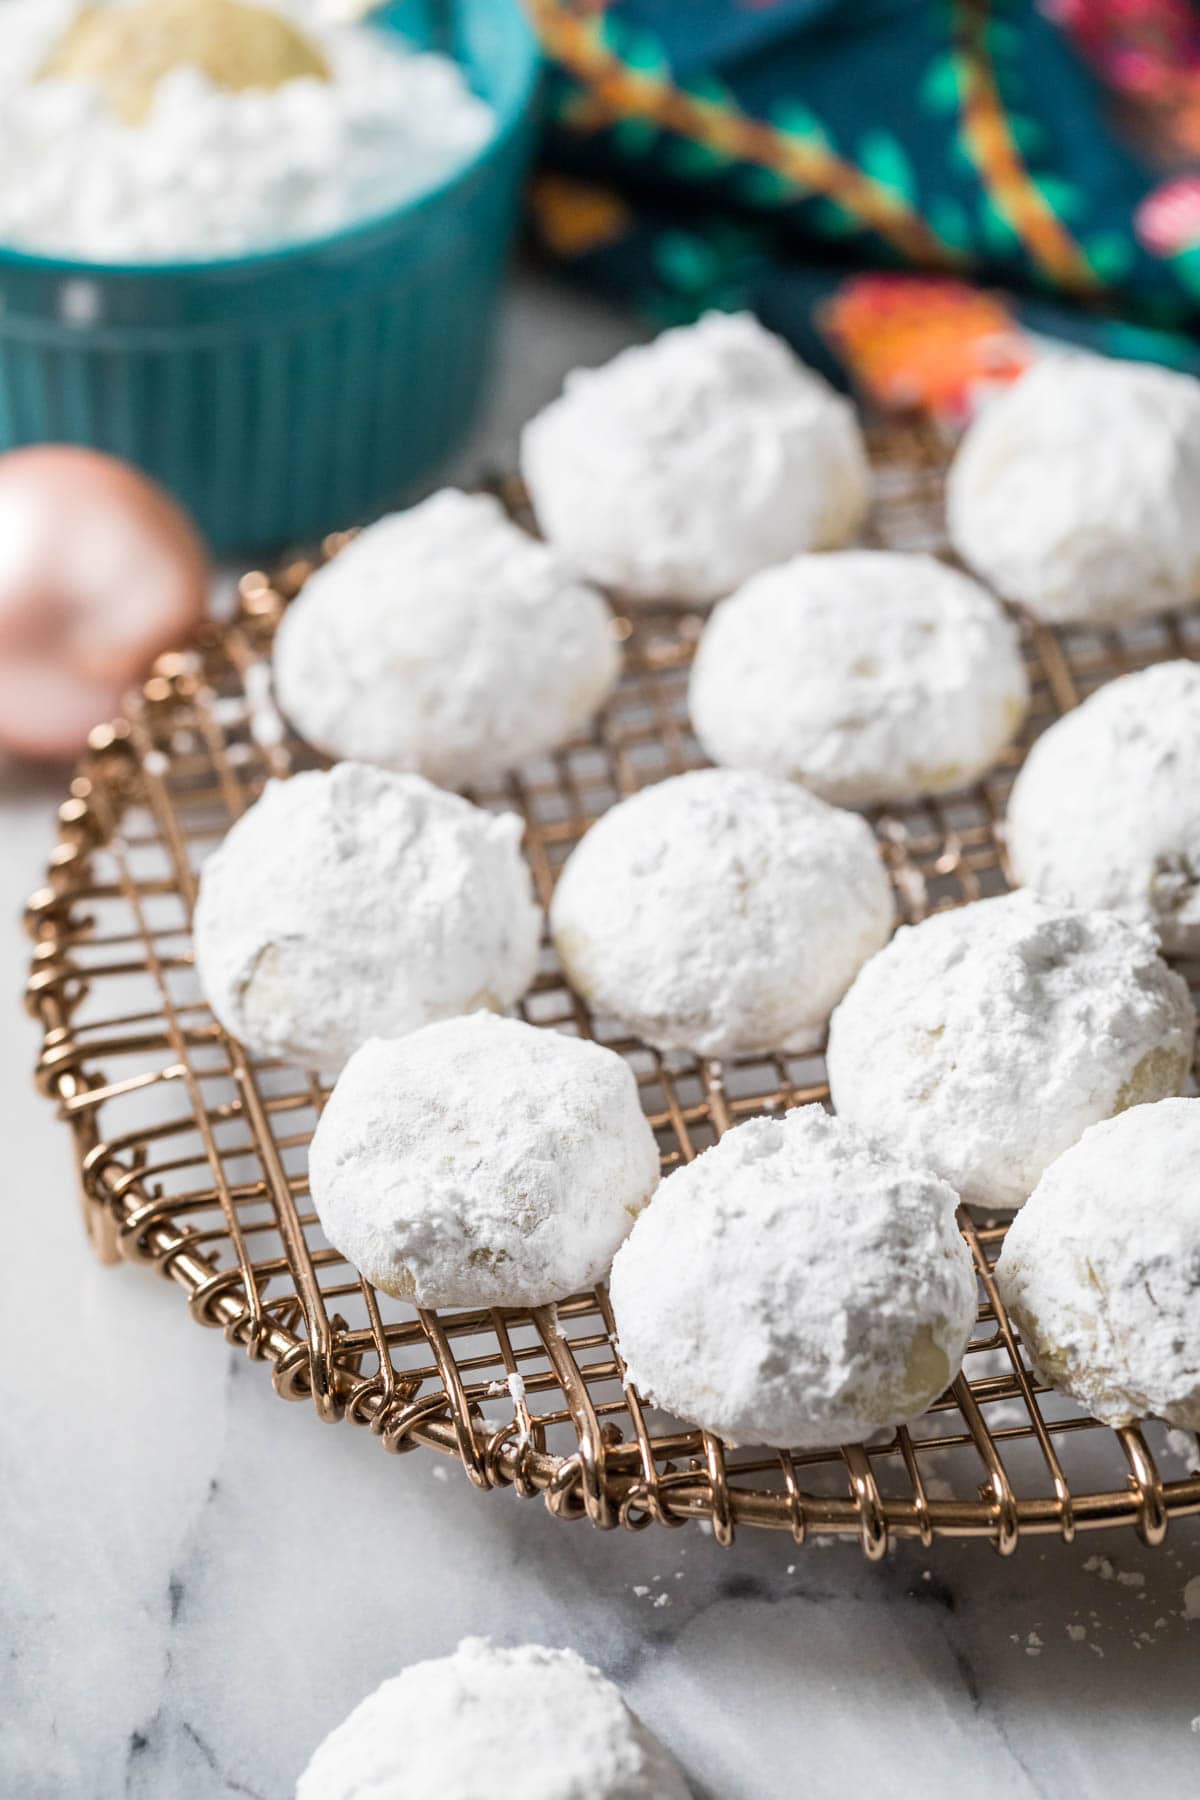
(258, 253)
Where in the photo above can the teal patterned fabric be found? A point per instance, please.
(767, 153)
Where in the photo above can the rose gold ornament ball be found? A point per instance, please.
(100, 571)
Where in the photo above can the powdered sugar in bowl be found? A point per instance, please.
(276, 298)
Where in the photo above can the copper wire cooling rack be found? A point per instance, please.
(192, 1156)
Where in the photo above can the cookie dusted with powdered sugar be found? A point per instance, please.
(870, 676)
(795, 1285)
(1101, 1270)
(1106, 810)
(482, 1162)
(722, 912)
(683, 465)
(983, 1042)
(487, 1720)
(354, 903)
(446, 641)
(1074, 490)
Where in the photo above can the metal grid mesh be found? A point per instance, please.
(193, 1157)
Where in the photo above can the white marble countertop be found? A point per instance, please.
(197, 1581)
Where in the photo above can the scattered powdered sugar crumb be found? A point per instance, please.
(1100, 1565)
(212, 172)
(1077, 1633)
(1191, 1599)
(266, 725)
(1186, 1446)
(1131, 1578)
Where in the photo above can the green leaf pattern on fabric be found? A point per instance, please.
(884, 158)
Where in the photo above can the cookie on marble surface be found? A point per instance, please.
(1073, 492)
(1106, 810)
(355, 903)
(983, 1042)
(682, 466)
(446, 641)
(870, 676)
(482, 1162)
(722, 912)
(1101, 1270)
(538, 1722)
(795, 1285)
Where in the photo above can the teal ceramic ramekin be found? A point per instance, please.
(285, 394)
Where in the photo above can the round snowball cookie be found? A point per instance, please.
(1101, 1271)
(447, 641)
(354, 903)
(983, 1042)
(482, 1162)
(1106, 810)
(795, 1285)
(682, 466)
(487, 1720)
(1074, 490)
(722, 912)
(869, 676)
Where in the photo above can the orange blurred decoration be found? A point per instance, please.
(924, 343)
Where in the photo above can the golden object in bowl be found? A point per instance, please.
(126, 51)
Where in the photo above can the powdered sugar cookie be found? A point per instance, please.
(795, 1285)
(447, 641)
(682, 466)
(1073, 491)
(722, 912)
(439, 1727)
(353, 903)
(1101, 1271)
(482, 1162)
(1106, 810)
(869, 676)
(983, 1042)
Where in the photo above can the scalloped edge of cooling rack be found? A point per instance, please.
(608, 1480)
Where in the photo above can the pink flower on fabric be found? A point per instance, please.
(1168, 219)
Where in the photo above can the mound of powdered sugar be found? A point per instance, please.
(721, 911)
(447, 641)
(1101, 1270)
(983, 1042)
(869, 676)
(541, 1723)
(682, 466)
(1074, 489)
(1106, 810)
(213, 171)
(353, 903)
(795, 1285)
(482, 1162)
